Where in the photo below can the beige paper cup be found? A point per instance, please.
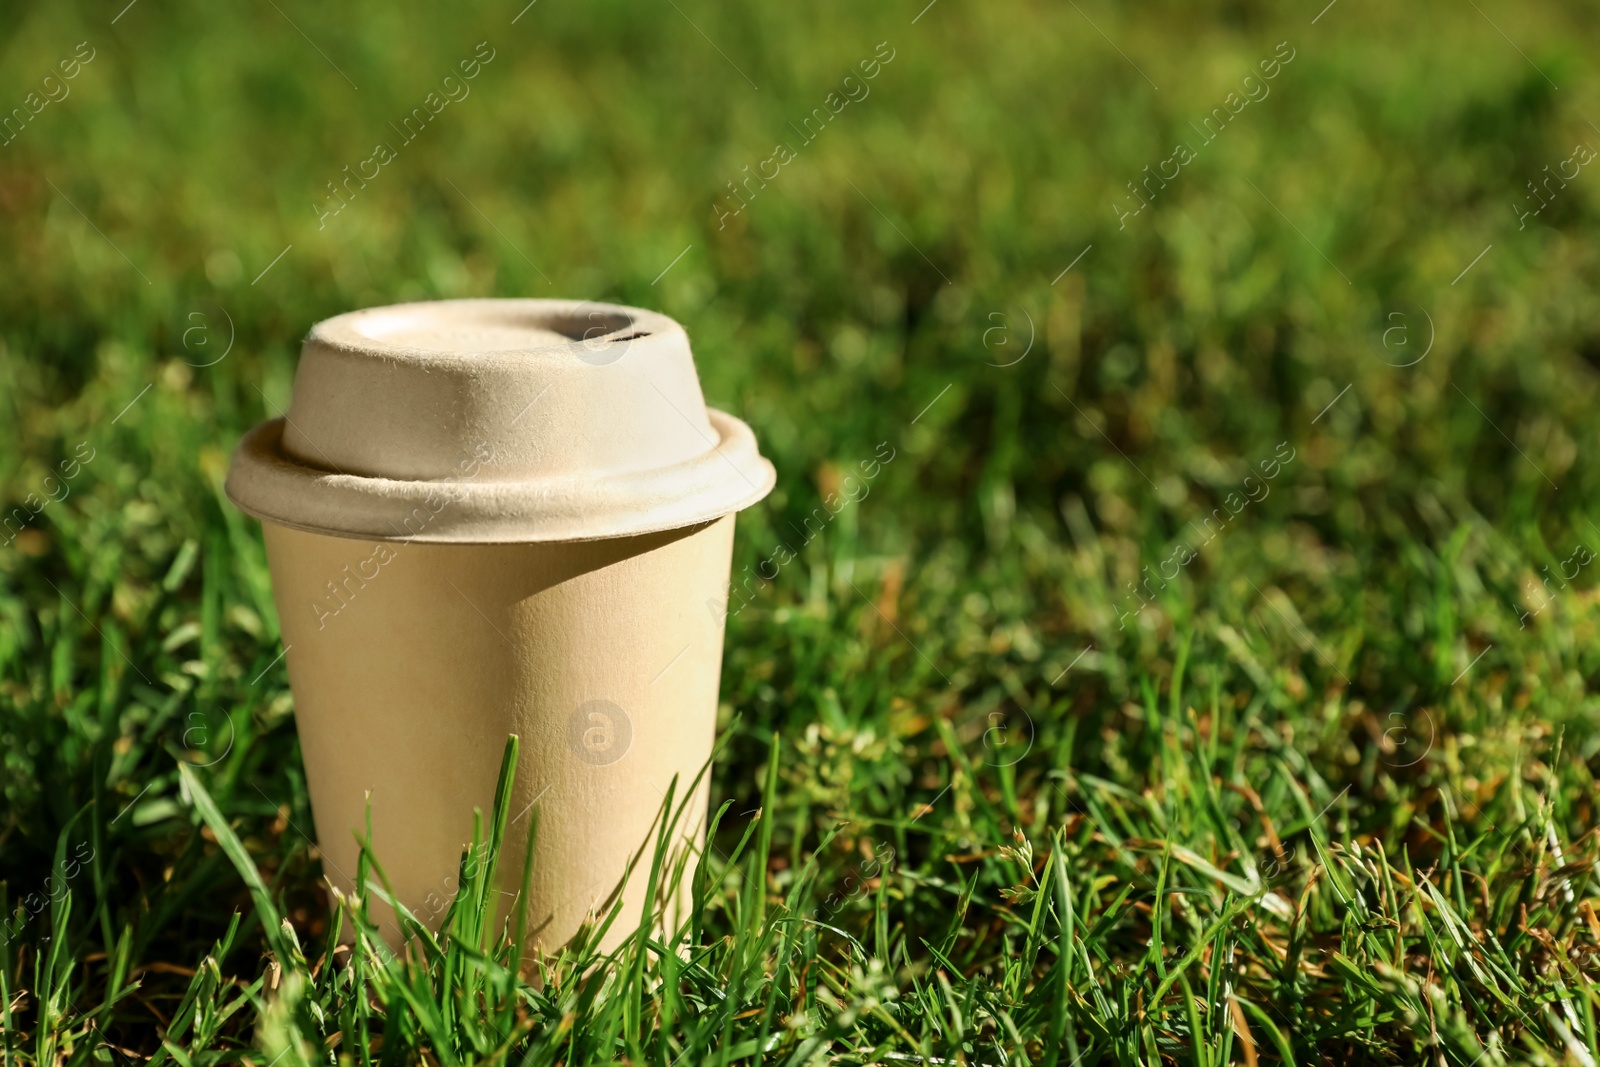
(488, 517)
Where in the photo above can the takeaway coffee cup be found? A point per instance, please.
(487, 517)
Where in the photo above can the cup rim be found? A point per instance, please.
(272, 486)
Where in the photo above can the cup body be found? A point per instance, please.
(410, 662)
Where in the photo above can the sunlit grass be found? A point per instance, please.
(1078, 738)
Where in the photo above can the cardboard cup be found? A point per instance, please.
(601, 655)
(479, 522)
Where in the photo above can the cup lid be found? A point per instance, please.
(459, 421)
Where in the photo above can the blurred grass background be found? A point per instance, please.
(1366, 635)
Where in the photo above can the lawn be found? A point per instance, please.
(1208, 676)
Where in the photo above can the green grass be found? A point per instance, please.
(1329, 797)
